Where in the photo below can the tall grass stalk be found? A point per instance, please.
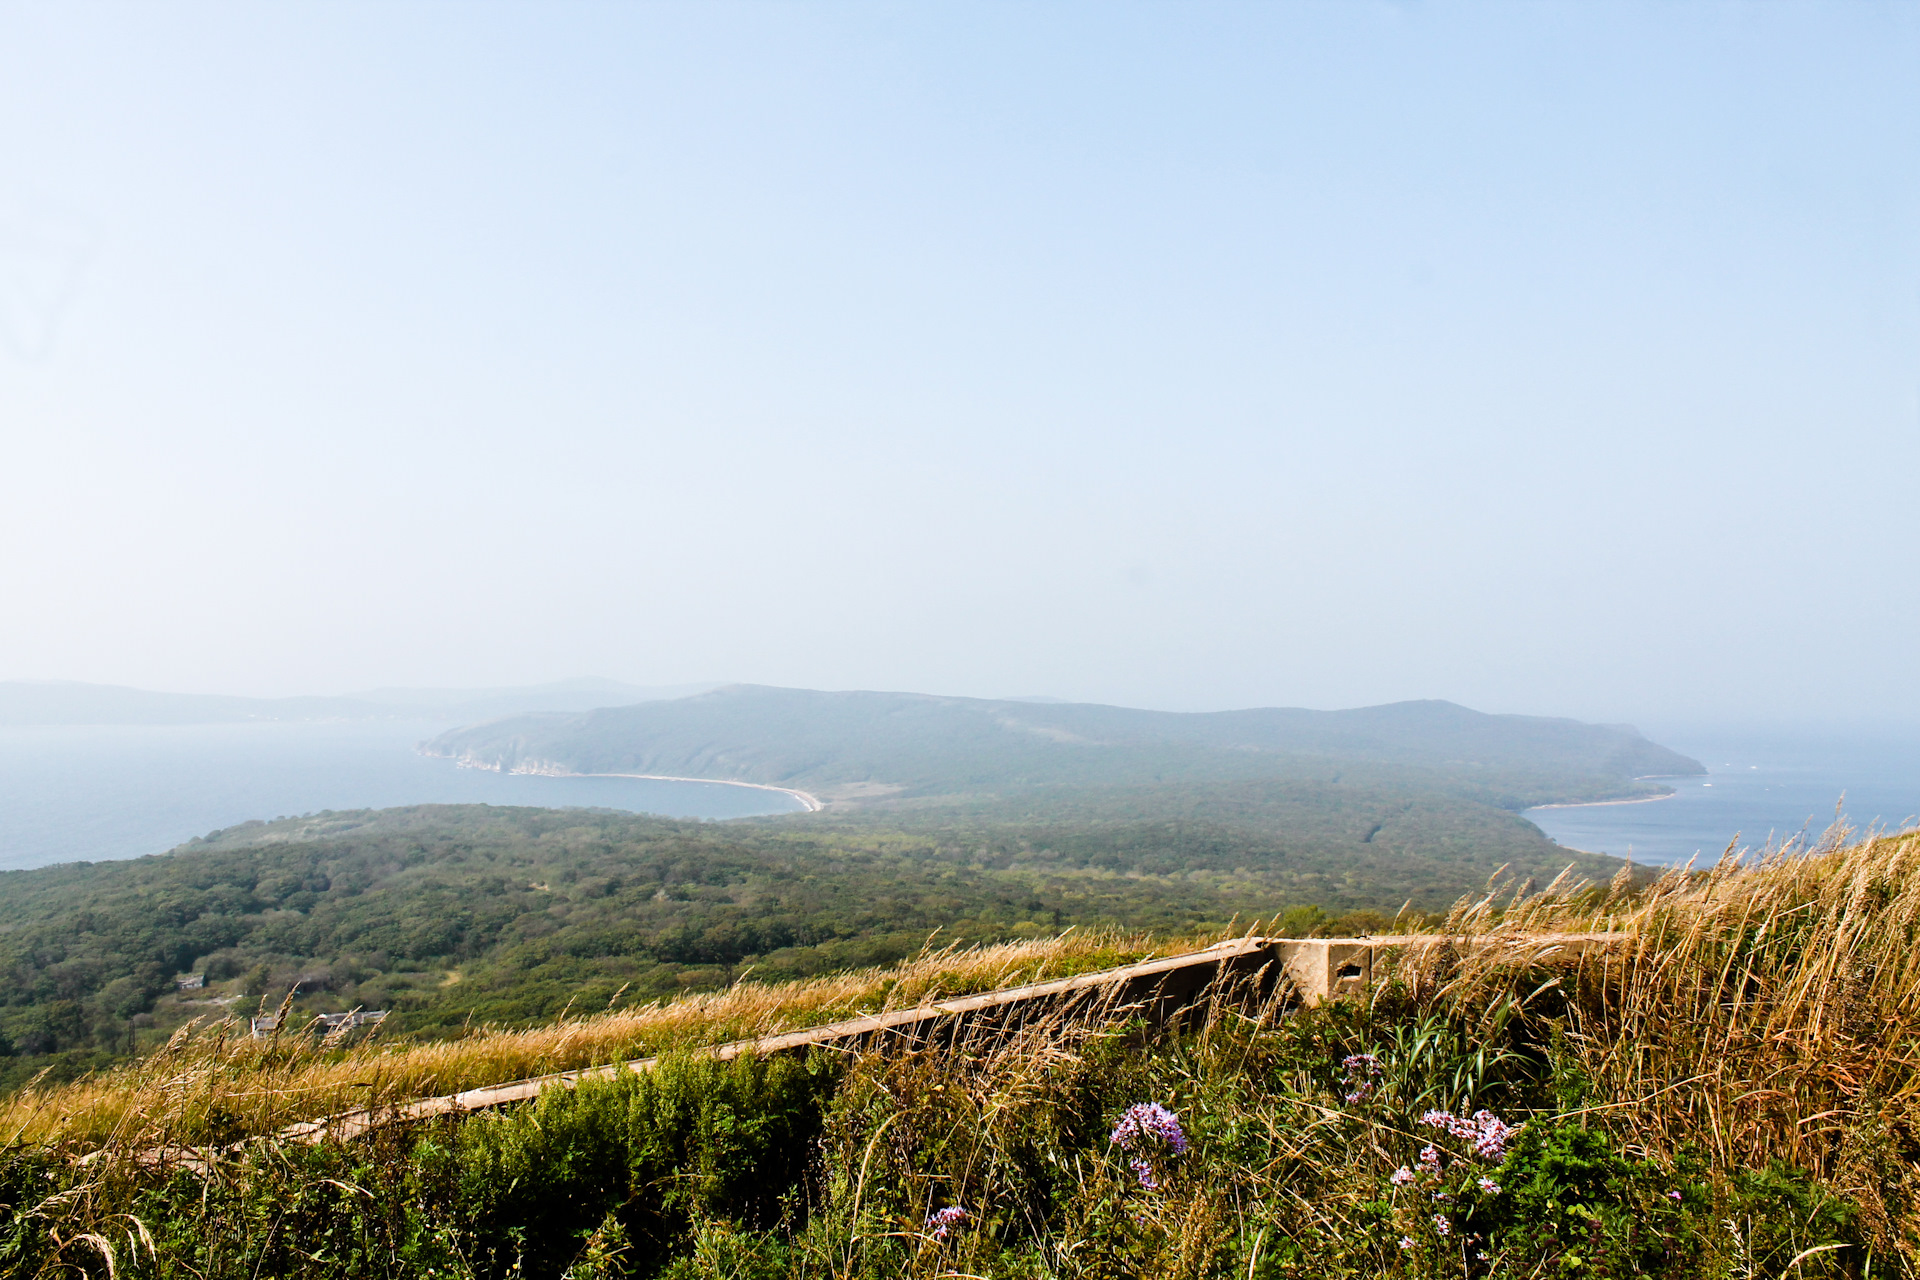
(1766, 1008)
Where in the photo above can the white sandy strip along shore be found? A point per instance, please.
(548, 769)
(1595, 804)
(808, 801)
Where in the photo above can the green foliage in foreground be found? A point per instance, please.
(457, 915)
(833, 1168)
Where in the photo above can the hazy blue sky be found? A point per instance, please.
(1547, 357)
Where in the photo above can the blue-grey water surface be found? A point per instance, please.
(73, 793)
(1759, 787)
(93, 792)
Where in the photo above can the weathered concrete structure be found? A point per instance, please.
(1292, 970)
(1324, 968)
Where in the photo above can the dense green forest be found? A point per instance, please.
(451, 914)
(860, 745)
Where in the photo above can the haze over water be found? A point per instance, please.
(1132, 353)
(1758, 787)
(91, 793)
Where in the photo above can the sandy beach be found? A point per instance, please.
(1597, 804)
(807, 799)
(550, 769)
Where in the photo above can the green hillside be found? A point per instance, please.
(1720, 1093)
(859, 745)
(448, 914)
(981, 820)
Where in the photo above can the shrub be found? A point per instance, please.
(693, 1139)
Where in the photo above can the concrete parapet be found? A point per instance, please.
(1325, 968)
(1251, 969)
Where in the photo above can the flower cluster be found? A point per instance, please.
(1147, 1129)
(1361, 1068)
(1486, 1136)
(1148, 1121)
(1487, 1133)
(944, 1220)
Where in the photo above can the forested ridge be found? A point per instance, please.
(860, 744)
(448, 914)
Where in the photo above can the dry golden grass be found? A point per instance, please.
(1765, 1009)
(1762, 1009)
(217, 1084)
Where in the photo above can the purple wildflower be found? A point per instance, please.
(1487, 1133)
(1360, 1069)
(1441, 1224)
(1491, 1136)
(1430, 1159)
(1401, 1176)
(1149, 1120)
(1489, 1186)
(1675, 1195)
(1406, 1242)
(944, 1220)
(1148, 1129)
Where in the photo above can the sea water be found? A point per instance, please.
(100, 792)
(1759, 787)
(88, 793)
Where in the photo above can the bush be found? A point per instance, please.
(1570, 1204)
(692, 1140)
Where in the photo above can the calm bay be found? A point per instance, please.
(1760, 787)
(90, 793)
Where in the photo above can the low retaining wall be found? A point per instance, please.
(1324, 968)
(1306, 970)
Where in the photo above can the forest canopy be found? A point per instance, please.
(448, 914)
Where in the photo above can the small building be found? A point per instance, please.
(191, 982)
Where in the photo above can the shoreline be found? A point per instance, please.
(809, 803)
(1596, 804)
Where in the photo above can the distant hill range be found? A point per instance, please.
(865, 746)
(50, 702)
